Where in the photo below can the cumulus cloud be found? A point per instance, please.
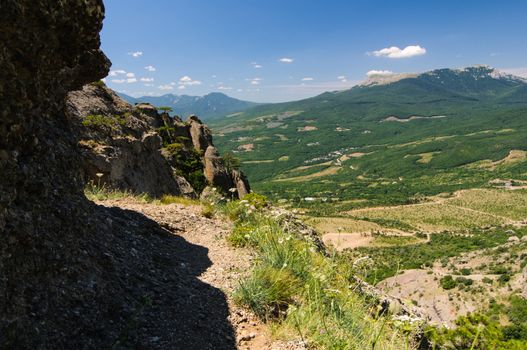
(307, 79)
(186, 80)
(379, 73)
(181, 87)
(135, 54)
(224, 88)
(130, 75)
(521, 71)
(114, 73)
(165, 87)
(131, 80)
(150, 68)
(256, 65)
(118, 81)
(342, 78)
(149, 84)
(255, 81)
(395, 52)
(147, 80)
(286, 60)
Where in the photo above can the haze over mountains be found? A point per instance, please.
(210, 106)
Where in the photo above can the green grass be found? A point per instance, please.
(479, 126)
(301, 292)
(100, 192)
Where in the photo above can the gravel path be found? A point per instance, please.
(227, 265)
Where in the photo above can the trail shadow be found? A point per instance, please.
(173, 308)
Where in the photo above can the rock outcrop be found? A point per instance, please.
(215, 172)
(74, 274)
(119, 147)
(140, 150)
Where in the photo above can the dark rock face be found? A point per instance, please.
(73, 274)
(47, 55)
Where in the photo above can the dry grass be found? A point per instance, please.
(332, 170)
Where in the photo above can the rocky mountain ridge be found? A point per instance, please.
(209, 106)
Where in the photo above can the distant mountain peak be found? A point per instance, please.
(476, 72)
(212, 105)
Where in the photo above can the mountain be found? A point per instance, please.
(430, 127)
(210, 106)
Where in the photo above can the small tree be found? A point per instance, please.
(165, 109)
(230, 161)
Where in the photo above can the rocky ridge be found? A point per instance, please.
(138, 149)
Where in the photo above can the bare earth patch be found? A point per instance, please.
(307, 128)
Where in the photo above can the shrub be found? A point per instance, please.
(240, 235)
(447, 282)
(465, 272)
(104, 122)
(230, 161)
(268, 292)
(207, 211)
(256, 200)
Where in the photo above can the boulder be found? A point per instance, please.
(241, 183)
(215, 172)
(200, 134)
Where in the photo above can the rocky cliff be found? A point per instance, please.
(138, 149)
(73, 274)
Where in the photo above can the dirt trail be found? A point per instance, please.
(228, 265)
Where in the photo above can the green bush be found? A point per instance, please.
(268, 292)
(447, 282)
(104, 122)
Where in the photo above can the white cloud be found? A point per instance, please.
(256, 65)
(147, 80)
(307, 79)
(131, 80)
(286, 60)
(224, 88)
(135, 54)
(521, 71)
(114, 73)
(181, 87)
(150, 68)
(130, 75)
(165, 87)
(239, 90)
(214, 77)
(118, 81)
(379, 73)
(186, 80)
(395, 52)
(149, 84)
(255, 81)
(342, 78)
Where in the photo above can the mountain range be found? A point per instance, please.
(430, 127)
(210, 106)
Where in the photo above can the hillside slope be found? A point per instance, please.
(210, 106)
(385, 141)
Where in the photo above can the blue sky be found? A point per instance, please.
(272, 51)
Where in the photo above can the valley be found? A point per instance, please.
(423, 194)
